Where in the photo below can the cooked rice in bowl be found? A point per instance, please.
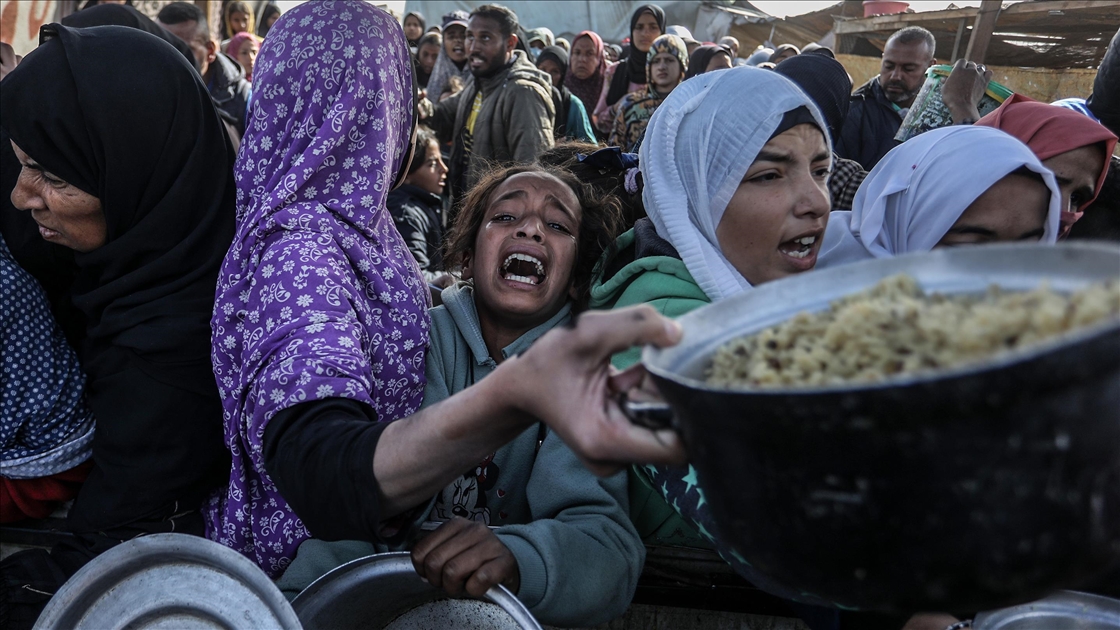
(894, 328)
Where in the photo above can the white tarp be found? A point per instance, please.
(609, 18)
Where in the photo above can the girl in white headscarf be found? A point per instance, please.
(726, 196)
(950, 186)
(733, 201)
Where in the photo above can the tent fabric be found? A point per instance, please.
(609, 18)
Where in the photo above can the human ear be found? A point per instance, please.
(466, 271)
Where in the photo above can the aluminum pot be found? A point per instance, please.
(169, 581)
(384, 591)
(971, 489)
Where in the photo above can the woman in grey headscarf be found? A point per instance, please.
(452, 60)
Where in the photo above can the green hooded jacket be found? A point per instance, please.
(642, 268)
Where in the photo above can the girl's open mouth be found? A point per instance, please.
(799, 247)
(523, 268)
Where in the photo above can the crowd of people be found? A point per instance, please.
(337, 275)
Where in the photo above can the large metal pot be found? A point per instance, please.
(384, 591)
(971, 489)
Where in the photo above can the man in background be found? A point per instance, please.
(506, 115)
(224, 79)
(878, 106)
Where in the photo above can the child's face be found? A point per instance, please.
(247, 56)
(525, 250)
(433, 174)
(239, 22)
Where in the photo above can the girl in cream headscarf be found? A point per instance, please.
(732, 201)
(951, 186)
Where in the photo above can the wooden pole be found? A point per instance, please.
(982, 30)
(957, 41)
(213, 11)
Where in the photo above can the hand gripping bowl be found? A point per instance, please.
(969, 489)
(384, 591)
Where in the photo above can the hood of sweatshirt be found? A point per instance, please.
(458, 299)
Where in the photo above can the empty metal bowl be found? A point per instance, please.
(169, 581)
(384, 591)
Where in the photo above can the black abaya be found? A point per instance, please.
(121, 115)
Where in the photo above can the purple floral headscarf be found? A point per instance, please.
(318, 296)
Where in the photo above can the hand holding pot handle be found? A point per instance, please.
(566, 380)
(643, 404)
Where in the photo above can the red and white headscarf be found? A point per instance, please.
(1050, 131)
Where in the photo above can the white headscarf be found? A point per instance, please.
(698, 145)
(916, 193)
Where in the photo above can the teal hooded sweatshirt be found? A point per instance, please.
(577, 551)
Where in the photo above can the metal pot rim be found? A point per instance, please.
(665, 362)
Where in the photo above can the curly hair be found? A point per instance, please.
(601, 222)
(565, 155)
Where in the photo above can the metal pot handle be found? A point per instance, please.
(651, 415)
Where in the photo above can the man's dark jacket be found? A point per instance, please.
(1105, 101)
(229, 90)
(870, 127)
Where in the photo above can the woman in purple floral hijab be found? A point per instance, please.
(318, 298)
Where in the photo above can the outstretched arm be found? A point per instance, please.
(564, 380)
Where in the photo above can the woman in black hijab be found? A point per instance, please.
(151, 171)
(50, 264)
(702, 57)
(632, 70)
(268, 16)
(827, 82)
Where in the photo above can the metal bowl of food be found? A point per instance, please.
(384, 591)
(970, 488)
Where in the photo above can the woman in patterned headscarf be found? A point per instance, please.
(320, 324)
(318, 298)
(666, 64)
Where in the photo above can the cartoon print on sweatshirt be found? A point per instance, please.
(466, 496)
